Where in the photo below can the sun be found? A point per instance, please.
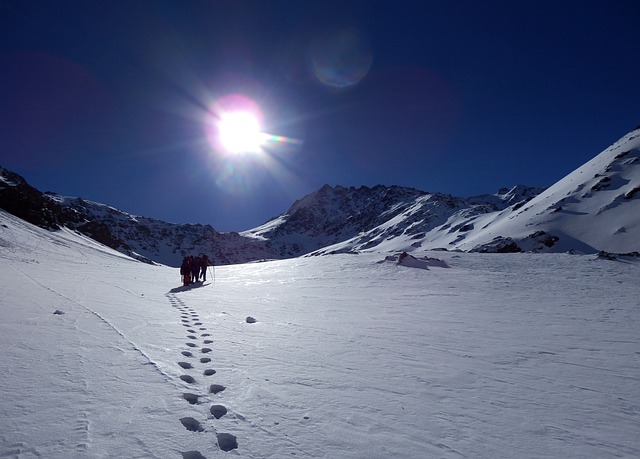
(240, 132)
(244, 152)
(235, 129)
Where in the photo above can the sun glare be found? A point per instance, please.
(240, 132)
(243, 155)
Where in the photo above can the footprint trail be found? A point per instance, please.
(199, 389)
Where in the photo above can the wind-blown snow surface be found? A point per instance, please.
(351, 356)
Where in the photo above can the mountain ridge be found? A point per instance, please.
(594, 208)
(347, 212)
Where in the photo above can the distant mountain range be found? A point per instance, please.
(595, 208)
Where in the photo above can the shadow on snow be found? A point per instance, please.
(184, 288)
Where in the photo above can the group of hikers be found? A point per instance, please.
(194, 268)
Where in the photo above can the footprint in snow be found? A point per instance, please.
(191, 398)
(218, 411)
(204, 350)
(187, 354)
(188, 379)
(208, 341)
(209, 372)
(185, 365)
(192, 337)
(215, 388)
(191, 344)
(227, 442)
(205, 360)
(191, 424)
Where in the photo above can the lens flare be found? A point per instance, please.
(279, 139)
(341, 58)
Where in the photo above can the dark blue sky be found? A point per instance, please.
(109, 100)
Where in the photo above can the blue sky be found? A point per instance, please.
(111, 101)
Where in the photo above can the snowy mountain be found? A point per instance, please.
(326, 217)
(22, 200)
(361, 219)
(595, 208)
(145, 239)
(164, 242)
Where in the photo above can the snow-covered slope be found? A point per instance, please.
(518, 355)
(165, 242)
(595, 208)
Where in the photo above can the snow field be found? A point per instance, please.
(516, 355)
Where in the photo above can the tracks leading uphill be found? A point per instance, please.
(195, 360)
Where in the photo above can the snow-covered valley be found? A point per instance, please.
(351, 356)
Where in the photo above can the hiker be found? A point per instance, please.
(198, 267)
(195, 269)
(185, 271)
(204, 262)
